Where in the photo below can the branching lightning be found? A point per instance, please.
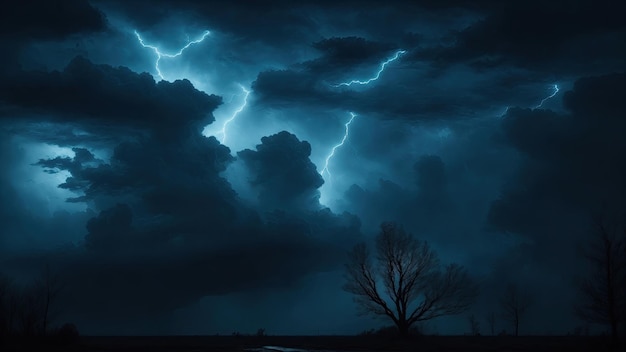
(222, 132)
(556, 90)
(378, 73)
(382, 67)
(160, 55)
(343, 140)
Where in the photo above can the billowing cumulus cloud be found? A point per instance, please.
(107, 95)
(166, 220)
(170, 223)
(282, 171)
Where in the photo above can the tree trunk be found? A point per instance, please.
(45, 314)
(614, 334)
(403, 329)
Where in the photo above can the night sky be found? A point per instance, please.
(192, 197)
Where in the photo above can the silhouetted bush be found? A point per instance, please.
(580, 331)
(66, 334)
(391, 332)
(387, 331)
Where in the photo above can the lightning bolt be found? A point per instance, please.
(222, 132)
(160, 55)
(556, 90)
(343, 140)
(378, 73)
(382, 67)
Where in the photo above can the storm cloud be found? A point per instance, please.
(496, 135)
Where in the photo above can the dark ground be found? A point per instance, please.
(331, 343)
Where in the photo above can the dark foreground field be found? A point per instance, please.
(331, 343)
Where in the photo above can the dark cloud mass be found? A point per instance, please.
(282, 171)
(497, 136)
(50, 19)
(43, 20)
(580, 167)
(536, 33)
(348, 52)
(108, 95)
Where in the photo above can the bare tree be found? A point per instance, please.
(603, 294)
(30, 311)
(491, 322)
(27, 309)
(5, 286)
(474, 325)
(49, 287)
(415, 286)
(9, 306)
(514, 306)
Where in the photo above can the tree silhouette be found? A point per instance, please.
(491, 322)
(5, 307)
(514, 306)
(474, 325)
(415, 285)
(26, 310)
(603, 293)
(49, 287)
(30, 311)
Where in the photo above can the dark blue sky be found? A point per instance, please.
(116, 174)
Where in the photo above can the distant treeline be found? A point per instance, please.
(27, 311)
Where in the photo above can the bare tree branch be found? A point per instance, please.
(514, 306)
(409, 271)
(603, 298)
